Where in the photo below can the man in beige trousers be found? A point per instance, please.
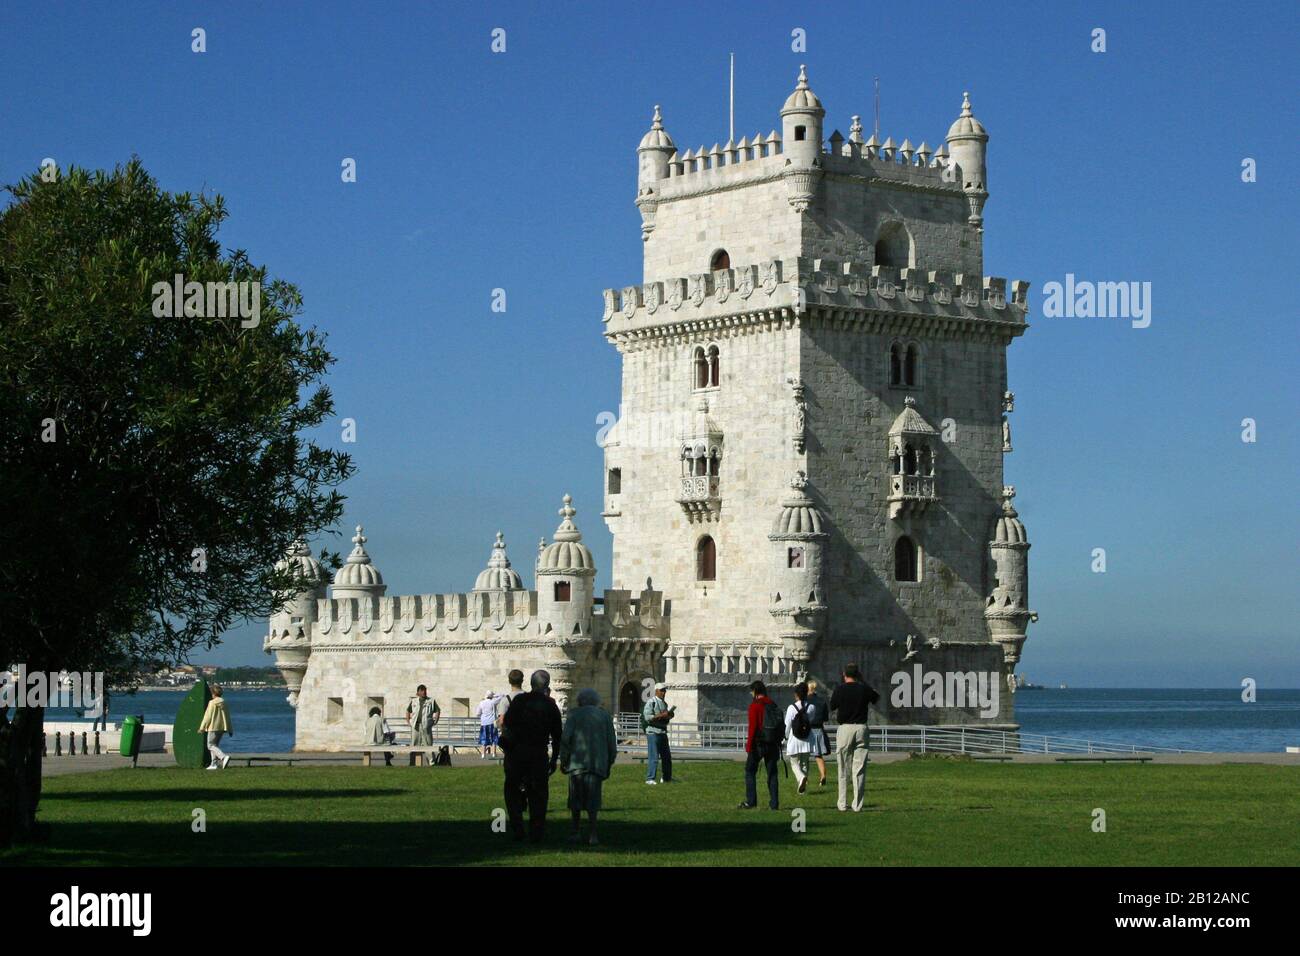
(851, 702)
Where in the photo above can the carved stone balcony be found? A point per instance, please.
(698, 497)
(910, 494)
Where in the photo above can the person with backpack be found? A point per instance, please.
(798, 739)
(850, 702)
(763, 742)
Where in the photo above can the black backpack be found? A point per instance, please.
(772, 729)
(799, 726)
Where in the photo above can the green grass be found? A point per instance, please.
(937, 812)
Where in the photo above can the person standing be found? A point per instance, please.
(763, 742)
(487, 725)
(818, 711)
(588, 750)
(531, 723)
(423, 712)
(798, 734)
(516, 679)
(654, 719)
(851, 701)
(216, 724)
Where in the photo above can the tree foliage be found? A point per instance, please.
(180, 467)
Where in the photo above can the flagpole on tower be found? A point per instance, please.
(731, 137)
(877, 131)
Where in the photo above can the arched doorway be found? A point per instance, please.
(629, 698)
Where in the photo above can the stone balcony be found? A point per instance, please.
(910, 494)
(698, 496)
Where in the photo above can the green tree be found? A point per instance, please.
(154, 468)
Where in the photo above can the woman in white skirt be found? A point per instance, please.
(818, 712)
(799, 748)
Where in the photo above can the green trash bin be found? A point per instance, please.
(132, 731)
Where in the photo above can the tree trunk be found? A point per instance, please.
(20, 774)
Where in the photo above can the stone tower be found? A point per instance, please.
(812, 306)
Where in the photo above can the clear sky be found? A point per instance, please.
(517, 170)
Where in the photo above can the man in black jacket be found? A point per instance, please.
(851, 701)
(530, 724)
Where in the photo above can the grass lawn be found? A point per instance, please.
(927, 811)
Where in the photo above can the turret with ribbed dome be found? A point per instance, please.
(653, 155)
(798, 604)
(1007, 612)
(291, 626)
(499, 575)
(801, 142)
(566, 575)
(359, 577)
(968, 142)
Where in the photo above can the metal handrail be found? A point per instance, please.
(911, 737)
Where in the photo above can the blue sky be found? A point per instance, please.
(478, 171)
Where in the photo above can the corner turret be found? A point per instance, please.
(291, 627)
(1007, 612)
(566, 575)
(798, 599)
(968, 143)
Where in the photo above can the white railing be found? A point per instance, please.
(886, 739)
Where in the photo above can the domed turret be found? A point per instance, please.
(359, 577)
(498, 575)
(798, 547)
(653, 154)
(565, 578)
(801, 142)
(291, 627)
(801, 123)
(968, 143)
(299, 563)
(1007, 610)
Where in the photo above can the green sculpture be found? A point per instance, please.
(189, 747)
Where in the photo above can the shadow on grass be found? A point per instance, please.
(201, 793)
(407, 843)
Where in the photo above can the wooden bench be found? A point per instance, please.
(421, 752)
(1106, 759)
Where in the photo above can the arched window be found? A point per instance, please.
(910, 365)
(706, 560)
(720, 260)
(701, 369)
(895, 365)
(714, 364)
(894, 246)
(715, 461)
(562, 590)
(905, 563)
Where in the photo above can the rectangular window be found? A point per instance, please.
(794, 558)
(334, 710)
(562, 590)
(615, 481)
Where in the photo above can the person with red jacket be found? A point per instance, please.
(763, 742)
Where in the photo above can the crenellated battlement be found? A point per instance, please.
(797, 284)
(473, 615)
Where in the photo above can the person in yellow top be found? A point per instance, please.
(216, 724)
